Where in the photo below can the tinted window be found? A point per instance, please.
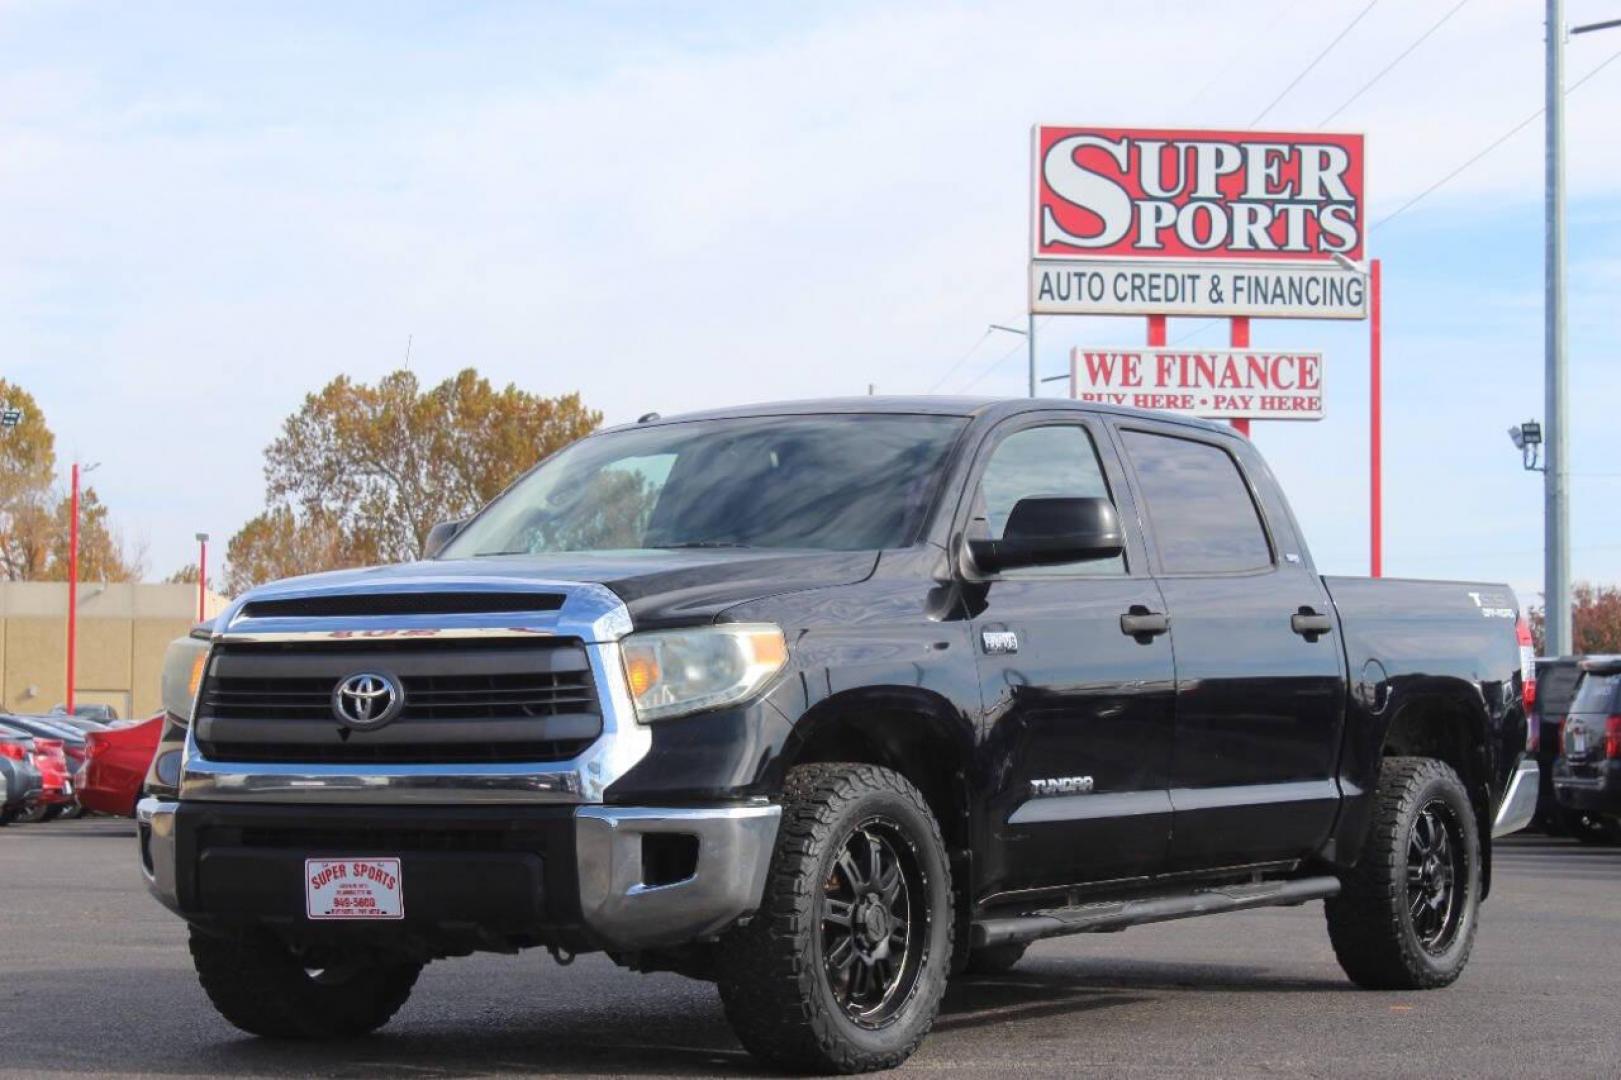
(1203, 518)
(833, 483)
(1035, 462)
(1556, 685)
(1595, 694)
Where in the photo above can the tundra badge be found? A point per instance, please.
(1062, 785)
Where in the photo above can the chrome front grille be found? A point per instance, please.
(503, 700)
(427, 697)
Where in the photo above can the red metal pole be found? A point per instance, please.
(1376, 542)
(1156, 331)
(1240, 339)
(202, 576)
(73, 582)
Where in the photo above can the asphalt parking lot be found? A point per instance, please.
(95, 980)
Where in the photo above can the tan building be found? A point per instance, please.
(123, 631)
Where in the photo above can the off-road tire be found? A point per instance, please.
(258, 985)
(1595, 829)
(773, 981)
(995, 959)
(1370, 922)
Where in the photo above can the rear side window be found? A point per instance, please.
(1203, 518)
(1556, 685)
(1596, 694)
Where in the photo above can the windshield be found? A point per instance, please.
(827, 483)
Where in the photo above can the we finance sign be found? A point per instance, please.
(1139, 221)
(1219, 384)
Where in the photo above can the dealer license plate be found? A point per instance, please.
(1578, 741)
(353, 889)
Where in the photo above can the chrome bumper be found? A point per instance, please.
(621, 910)
(734, 853)
(154, 832)
(1519, 803)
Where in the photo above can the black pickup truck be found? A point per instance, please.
(826, 702)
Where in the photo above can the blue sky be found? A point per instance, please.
(210, 210)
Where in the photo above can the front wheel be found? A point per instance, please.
(1406, 916)
(843, 967)
(262, 987)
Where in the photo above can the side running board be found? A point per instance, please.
(1105, 915)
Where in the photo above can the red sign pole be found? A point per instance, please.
(1240, 339)
(1156, 331)
(1376, 542)
(73, 583)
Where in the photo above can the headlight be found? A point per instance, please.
(183, 675)
(675, 672)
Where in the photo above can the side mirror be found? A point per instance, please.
(1050, 532)
(440, 535)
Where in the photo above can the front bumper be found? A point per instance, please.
(617, 878)
(1519, 803)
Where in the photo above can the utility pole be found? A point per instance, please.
(1556, 488)
(1030, 341)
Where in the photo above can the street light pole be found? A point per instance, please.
(202, 572)
(73, 582)
(1556, 509)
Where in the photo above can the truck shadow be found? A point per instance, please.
(621, 1026)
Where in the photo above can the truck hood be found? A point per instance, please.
(661, 588)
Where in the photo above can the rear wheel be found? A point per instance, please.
(843, 968)
(52, 812)
(1406, 916)
(260, 986)
(1595, 828)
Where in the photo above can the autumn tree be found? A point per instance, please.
(27, 468)
(34, 512)
(1595, 615)
(361, 472)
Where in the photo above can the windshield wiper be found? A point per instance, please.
(699, 544)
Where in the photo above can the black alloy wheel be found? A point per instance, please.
(1434, 846)
(873, 929)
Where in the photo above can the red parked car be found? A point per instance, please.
(115, 765)
(52, 763)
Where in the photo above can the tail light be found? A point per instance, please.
(94, 748)
(48, 747)
(1528, 665)
(1612, 738)
(14, 751)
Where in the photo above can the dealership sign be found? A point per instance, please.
(1143, 221)
(1217, 384)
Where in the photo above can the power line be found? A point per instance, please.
(1004, 358)
(972, 349)
(1399, 58)
(1493, 145)
(1317, 60)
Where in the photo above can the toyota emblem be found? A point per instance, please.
(368, 699)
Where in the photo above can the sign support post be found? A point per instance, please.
(1376, 494)
(1240, 339)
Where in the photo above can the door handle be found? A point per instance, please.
(1310, 625)
(1144, 625)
